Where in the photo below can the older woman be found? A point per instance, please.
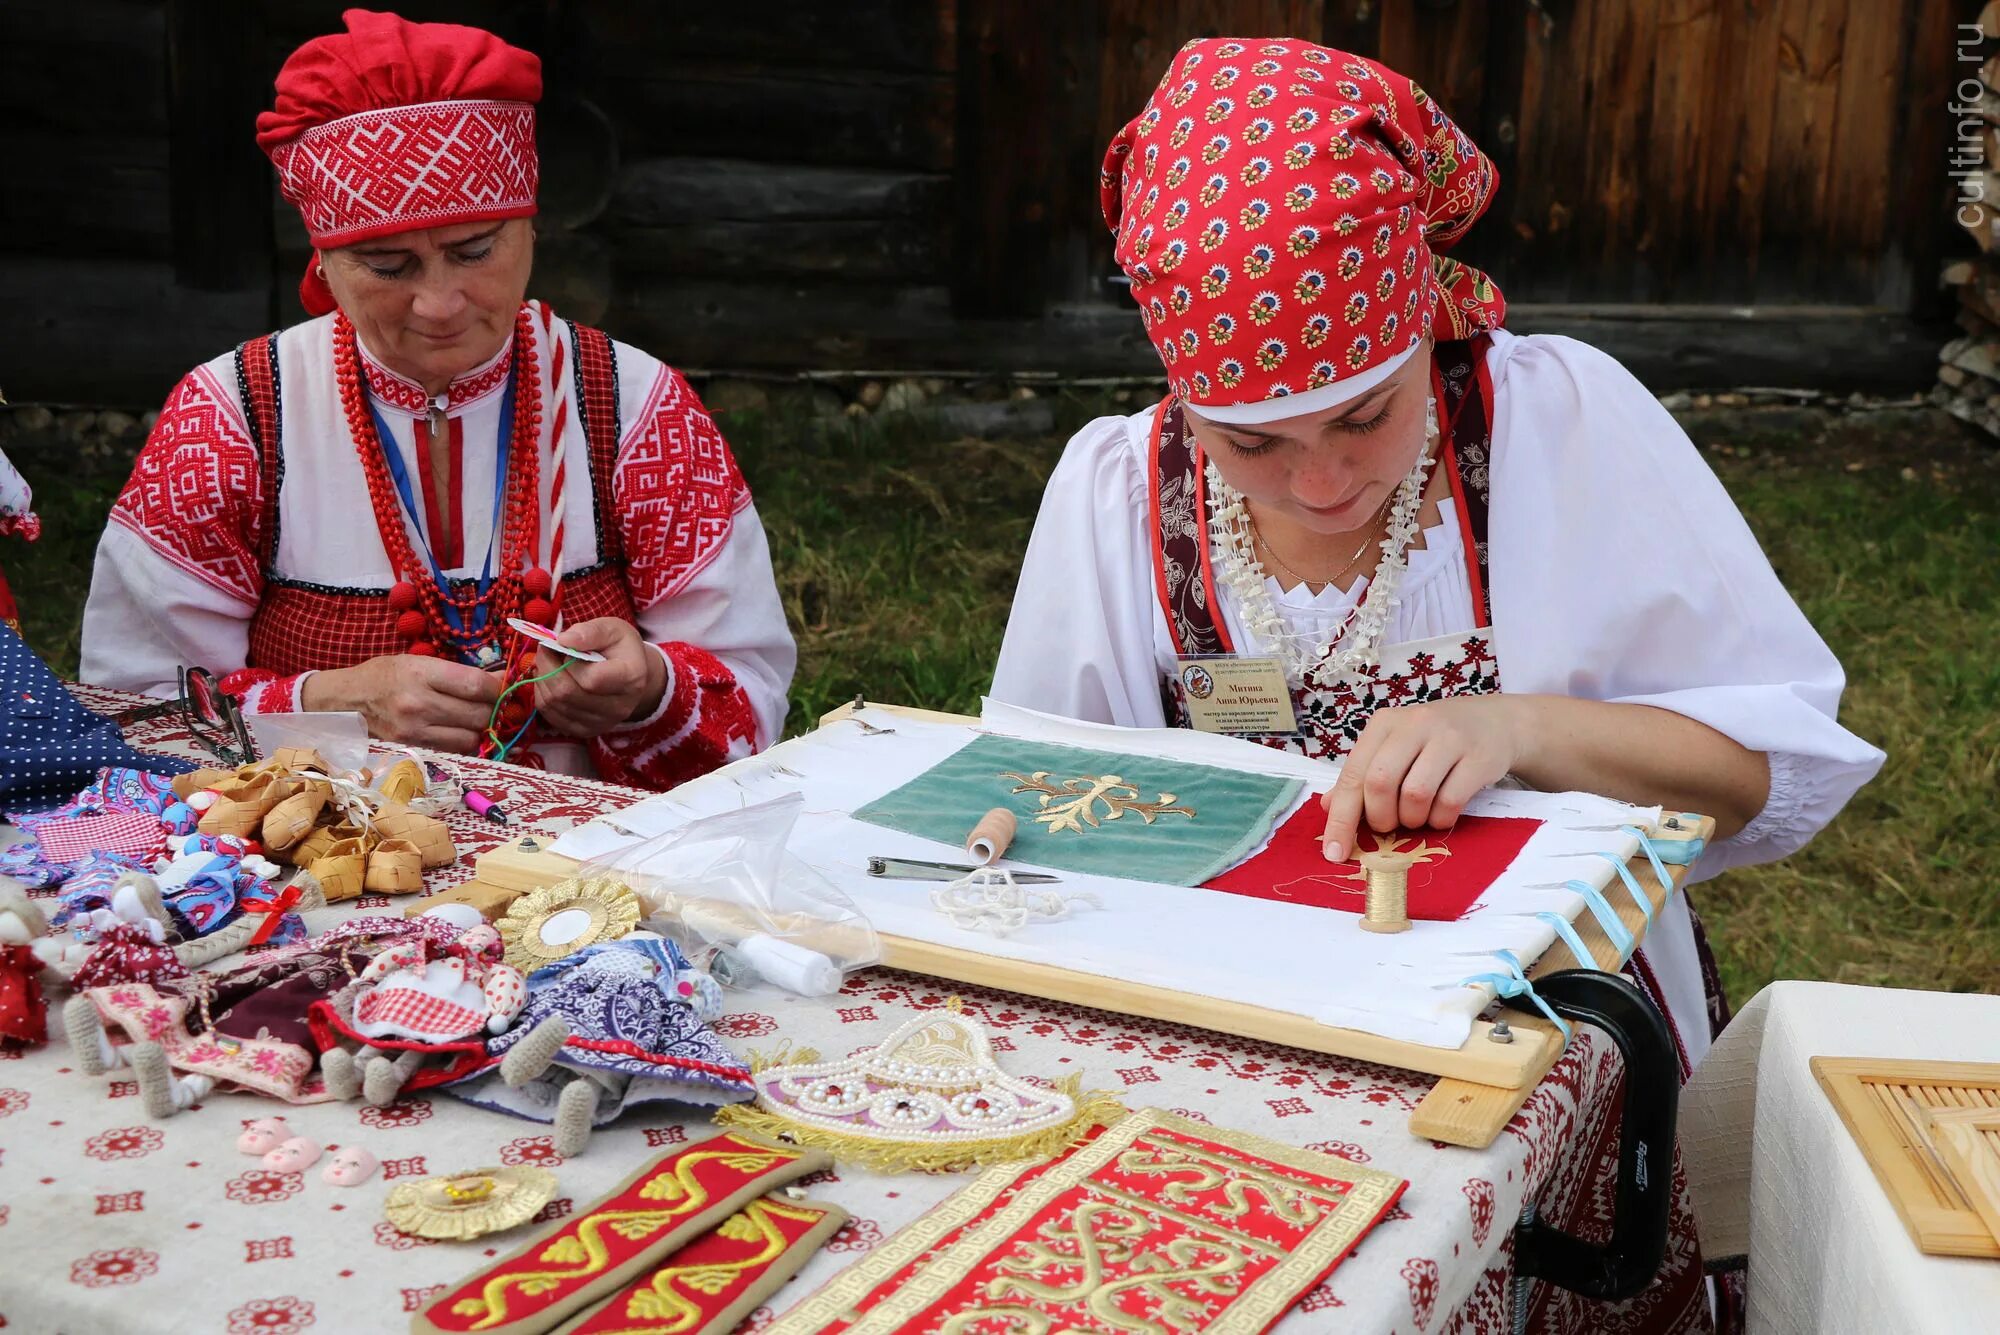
(347, 514)
(1464, 554)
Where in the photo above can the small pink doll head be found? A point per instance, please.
(294, 1156)
(264, 1135)
(350, 1166)
(480, 943)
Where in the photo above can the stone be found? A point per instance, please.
(1704, 401)
(902, 397)
(736, 396)
(115, 424)
(150, 420)
(1732, 400)
(870, 394)
(807, 399)
(33, 418)
(857, 410)
(1024, 392)
(77, 425)
(932, 386)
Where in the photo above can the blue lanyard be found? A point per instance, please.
(401, 475)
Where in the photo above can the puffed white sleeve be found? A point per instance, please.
(1622, 571)
(1080, 639)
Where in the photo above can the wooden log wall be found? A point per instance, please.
(910, 184)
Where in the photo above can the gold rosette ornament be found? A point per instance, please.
(559, 920)
(470, 1205)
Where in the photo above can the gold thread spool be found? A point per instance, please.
(1388, 899)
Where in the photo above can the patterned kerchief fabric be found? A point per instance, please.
(1278, 206)
(1093, 811)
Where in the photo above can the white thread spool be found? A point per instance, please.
(792, 967)
(990, 837)
(1388, 901)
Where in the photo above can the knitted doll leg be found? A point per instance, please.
(530, 1057)
(385, 1079)
(343, 1078)
(156, 1079)
(89, 1043)
(576, 1106)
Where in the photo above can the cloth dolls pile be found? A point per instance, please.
(350, 836)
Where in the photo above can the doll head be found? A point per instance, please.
(294, 1156)
(21, 920)
(264, 1135)
(350, 1166)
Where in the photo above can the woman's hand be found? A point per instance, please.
(590, 698)
(405, 698)
(1418, 765)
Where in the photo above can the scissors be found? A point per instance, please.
(903, 869)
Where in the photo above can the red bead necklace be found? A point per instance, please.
(416, 598)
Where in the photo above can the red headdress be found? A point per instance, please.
(1277, 205)
(393, 126)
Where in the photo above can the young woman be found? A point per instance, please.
(1470, 554)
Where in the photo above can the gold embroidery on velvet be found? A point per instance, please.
(1080, 798)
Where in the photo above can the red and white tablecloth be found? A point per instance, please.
(110, 1221)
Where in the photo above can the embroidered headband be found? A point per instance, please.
(1278, 206)
(393, 126)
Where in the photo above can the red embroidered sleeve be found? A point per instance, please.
(678, 491)
(196, 495)
(704, 721)
(262, 691)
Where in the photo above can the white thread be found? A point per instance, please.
(112, 1057)
(988, 900)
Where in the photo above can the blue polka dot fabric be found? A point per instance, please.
(51, 746)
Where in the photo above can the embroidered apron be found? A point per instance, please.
(1332, 713)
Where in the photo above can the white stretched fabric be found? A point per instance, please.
(1300, 960)
(1773, 1173)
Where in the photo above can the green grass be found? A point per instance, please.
(897, 552)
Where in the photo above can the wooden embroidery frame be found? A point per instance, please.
(1482, 1083)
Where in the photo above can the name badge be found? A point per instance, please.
(1244, 696)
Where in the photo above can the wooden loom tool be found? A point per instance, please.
(1482, 1083)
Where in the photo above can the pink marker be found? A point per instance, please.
(482, 805)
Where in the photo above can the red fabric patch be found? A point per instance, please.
(1462, 862)
(132, 833)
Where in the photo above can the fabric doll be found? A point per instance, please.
(243, 1027)
(23, 1011)
(421, 1000)
(610, 1028)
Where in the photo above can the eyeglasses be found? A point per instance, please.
(209, 714)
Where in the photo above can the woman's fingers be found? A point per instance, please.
(1382, 784)
(1416, 804)
(1345, 802)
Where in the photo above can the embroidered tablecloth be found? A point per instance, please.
(110, 1221)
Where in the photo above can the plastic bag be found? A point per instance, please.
(726, 889)
(340, 737)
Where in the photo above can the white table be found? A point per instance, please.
(1774, 1173)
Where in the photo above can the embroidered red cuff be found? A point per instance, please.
(704, 721)
(262, 691)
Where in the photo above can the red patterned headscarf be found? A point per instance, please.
(394, 126)
(1279, 207)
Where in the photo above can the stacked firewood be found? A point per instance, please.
(1969, 366)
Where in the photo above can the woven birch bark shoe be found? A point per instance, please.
(395, 868)
(293, 819)
(242, 801)
(430, 835)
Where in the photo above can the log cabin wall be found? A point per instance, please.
(1719, 191)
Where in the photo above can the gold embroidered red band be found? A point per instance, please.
(593, 1254)
(716, 1280)
(1159, 1222)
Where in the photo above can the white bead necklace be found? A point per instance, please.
(1239, 569)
